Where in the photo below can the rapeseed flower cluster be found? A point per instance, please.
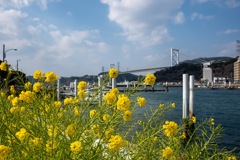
(27, 96)
(110, 97)
(35, 125)
(38, 75)
(170, 128)
(51, 77)
(22, 134)
(3, 66)
(4, 150)
(38, 142)
(150, 79)
(167, 153)
(76, 146)
(123, 103)
(116, 142)
(141, 101)
(113, 73)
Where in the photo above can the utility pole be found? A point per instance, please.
(17, 63)
(5, 51)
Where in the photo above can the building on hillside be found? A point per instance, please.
(207, 72)
(237, 70)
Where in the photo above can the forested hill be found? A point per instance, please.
(221, 66)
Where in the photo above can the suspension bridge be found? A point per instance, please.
(174, 61)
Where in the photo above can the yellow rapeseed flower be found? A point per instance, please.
(37, 86)
(12, 90)
(167, 153)
(76, 111)
(141, 101)
(3, 66)
(38, 75)
(109, 132)
(173, 105)
(193, 118)
(82, 85)
(4, 150)
(51, 145)
(81, 93)
(110, 98)
(52, 131)
(127, 115)
(155, 139)
(22, 134)
(51, 77)
(150, 79)
(123, 103)
(170, 128)
(15, 101)
(106, 117)
(37, 142)
(14, 110)
(212, 121)
(116, 142)
(232, 158)
(57, 104)
(95, 128)
(70, 131)
(114, 91)
(28, 85)
(113, 73)
(27, 96)
(68, 101)
(76, 146)
(161, 105)
(92, 113)
(2, 94)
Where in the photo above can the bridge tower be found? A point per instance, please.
(174, 57)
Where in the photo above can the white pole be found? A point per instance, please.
(58, 89)
(191, 95)
(75, 88)
(114, 85)
(185, 95)
(100, 78)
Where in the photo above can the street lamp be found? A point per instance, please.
(5, 51)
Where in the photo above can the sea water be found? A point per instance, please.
(222, 105)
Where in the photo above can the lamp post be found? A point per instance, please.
(17, 63)
(5, 51)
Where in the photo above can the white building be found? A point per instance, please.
(207, 72)
(237, 70)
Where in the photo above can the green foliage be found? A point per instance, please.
(34, 125)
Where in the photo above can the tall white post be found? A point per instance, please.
(114, 85)
(185, 95)
(58, 89)
(100, 79)
(191, 95)
(75, 88)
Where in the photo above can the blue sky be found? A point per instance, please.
(79, 37)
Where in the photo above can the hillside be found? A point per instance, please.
(221, 66)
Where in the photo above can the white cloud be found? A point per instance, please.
(141, 20)
(230, 31)
(200, 1)
(25, 3)
(228, 49)
(10, 22)
(48, 47)
(179, 19)
(232, 3)
(200, 16)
